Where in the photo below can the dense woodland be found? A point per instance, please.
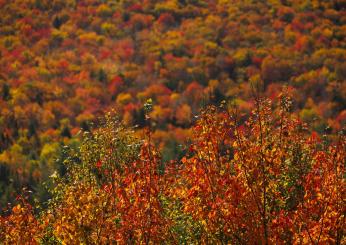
(178, 121)
(265, 181)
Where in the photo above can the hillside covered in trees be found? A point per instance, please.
(64, 64)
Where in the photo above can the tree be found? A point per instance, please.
(274, 70)
(250, 183)
(111, 191)
(266, 180)
(21, 225)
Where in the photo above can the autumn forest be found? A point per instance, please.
(172, 121)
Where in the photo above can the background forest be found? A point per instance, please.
(65, 63)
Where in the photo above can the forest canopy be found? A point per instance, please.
(151, 75)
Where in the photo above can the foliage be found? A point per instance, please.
(65, 63)
(266, 180)
(21, 226)
(73, 60)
